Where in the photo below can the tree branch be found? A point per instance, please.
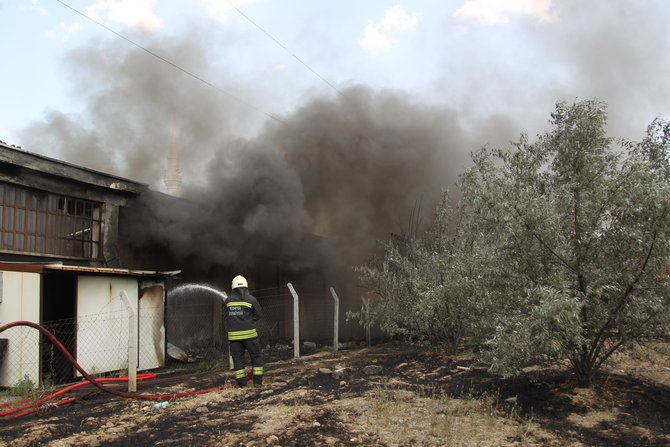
(543, 243)
(627, 293)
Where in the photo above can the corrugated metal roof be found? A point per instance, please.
(40, 267)
(110, 271)
(41, 163)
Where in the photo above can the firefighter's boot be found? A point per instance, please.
(257, 375)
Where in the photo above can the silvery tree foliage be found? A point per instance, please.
(578, 228)
(424, 286)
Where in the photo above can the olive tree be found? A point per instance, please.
(424, 285)
(578, 224)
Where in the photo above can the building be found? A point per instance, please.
(69, 245)
(60, 266)
(89, 310)
(52, 210)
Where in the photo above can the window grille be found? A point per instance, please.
(37, 222)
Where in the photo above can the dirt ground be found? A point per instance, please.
(386, 395)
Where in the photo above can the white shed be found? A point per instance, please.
(85, 309)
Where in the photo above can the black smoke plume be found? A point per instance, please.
(348, 166)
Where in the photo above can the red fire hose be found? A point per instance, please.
(31, 408)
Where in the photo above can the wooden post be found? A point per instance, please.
(336, 320)
(132, 343)
(296, 322)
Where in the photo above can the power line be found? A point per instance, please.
(284, 47)
(172, 64)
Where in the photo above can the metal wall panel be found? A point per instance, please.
(151, 333)
(102, 322)
(21, 301)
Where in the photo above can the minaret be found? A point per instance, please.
(172, 177)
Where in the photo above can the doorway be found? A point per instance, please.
(59, 298)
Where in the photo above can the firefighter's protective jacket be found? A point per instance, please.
(242, 311)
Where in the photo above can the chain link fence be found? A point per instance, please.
(195, 321)
(191, 321)
(197, 328)
(98, 342)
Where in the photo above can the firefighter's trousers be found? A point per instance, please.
(237, 349)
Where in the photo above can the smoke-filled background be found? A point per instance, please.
(364, 145)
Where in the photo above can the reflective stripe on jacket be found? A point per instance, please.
(242, 311)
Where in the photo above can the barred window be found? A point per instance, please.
(38, 222)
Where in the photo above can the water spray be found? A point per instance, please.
(220, 293)
(190, 287)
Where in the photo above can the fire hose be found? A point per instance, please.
(35, 406)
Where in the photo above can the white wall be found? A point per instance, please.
(102, 325)
(102, 322)
(20, 301)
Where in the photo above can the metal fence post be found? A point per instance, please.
(296, 322)
(336, 320)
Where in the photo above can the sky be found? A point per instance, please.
(339, 116)
(266, 58)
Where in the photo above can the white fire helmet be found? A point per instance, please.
(239, 281)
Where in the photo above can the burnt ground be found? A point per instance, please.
(387, 395)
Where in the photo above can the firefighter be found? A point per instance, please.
(242, 312)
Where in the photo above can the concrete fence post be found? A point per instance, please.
(366, 318)
(296, 322)
(132, 342)
(336, 320)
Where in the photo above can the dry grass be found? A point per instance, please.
(428, 417)
(419, 399)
